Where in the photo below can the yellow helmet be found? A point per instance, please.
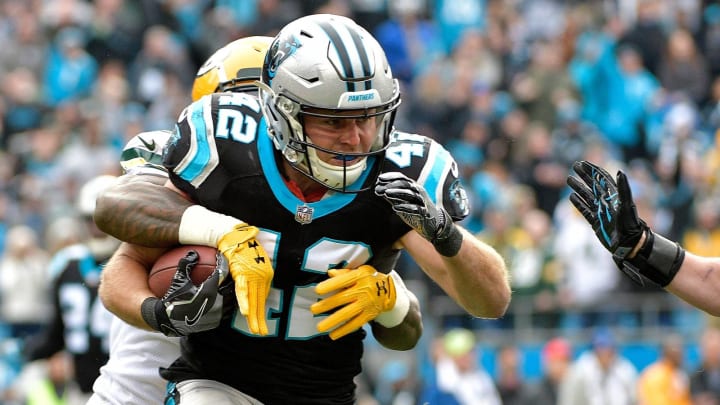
(234, 67)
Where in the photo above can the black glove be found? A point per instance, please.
(609, 208)
(411, 202)
(187, 308)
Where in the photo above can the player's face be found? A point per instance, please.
(346, 135)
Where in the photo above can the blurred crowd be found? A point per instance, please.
(596, 372)
(517, 90)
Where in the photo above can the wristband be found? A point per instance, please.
(449, 245)
(200, 226)
(659, 259)
(147, 310)
(396, 315)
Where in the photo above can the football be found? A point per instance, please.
(163, 270)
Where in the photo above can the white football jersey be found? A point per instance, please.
(143, 153)
(131, 375)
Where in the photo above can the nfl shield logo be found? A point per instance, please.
(304, 214)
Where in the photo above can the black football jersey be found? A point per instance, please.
(228, 164)
(80, 323)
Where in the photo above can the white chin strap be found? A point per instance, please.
(335, 176)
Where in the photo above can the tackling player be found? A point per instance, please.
(302, 164)
(131, 376)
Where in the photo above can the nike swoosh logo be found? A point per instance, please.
(192, 321)
(150, 146)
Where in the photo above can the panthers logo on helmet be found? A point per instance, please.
(173, 140)
(459, 197)
(280, 50)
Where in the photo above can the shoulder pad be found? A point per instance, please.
(430, 165)
(206, 130)
(62, 257)
(144, 151)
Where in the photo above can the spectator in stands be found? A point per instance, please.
(458, 378)
(456, 18)
(556, 357)
(56, 386)
(471, 53)
(705, 380)
(410, 40)
(70, 72)
(534, 272)
(583, 292)
(710, 109)
(631, 88)
(509, 382)
(678, 165)
(709, 37)
(162, 53)
(600, 376)
(703, 237)
(535, 165)
(23, 108)
(683, 69)
(115, 31)
(589, 68)
(572, 135)
(24, 42)
(24, 283)
(426, 106)
(665, 381)
(396, 384)
(647, 33)
(469, 146)
(544, 84)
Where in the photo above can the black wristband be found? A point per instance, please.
(449, 244)
(659, 259)
(148, 312)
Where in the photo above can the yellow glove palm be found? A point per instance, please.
(252, 272)
(362, 294)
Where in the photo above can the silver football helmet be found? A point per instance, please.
(327, 62)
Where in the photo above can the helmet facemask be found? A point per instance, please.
(302, 154)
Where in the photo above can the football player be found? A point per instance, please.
(131, 375)
(80, 323)
(301, 167)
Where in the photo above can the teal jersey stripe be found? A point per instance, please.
(199, 148)
(433, 183)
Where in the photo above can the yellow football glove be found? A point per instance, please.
(252, 272)
(363, 293)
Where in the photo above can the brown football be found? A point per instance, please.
(162, 272)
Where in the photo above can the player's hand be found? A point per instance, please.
(608, 206)
(252, 272)
(360, 295)
(411, 202)
(186, 308)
